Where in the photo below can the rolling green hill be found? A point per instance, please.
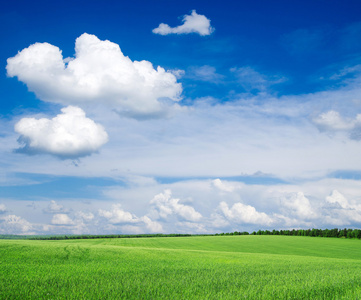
(205, 267)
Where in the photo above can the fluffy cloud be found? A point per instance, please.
(297, 205)
(68, 135)
(242, 213)
(165, 205)
(193, 23)
(55, 208)
(129, 221)
(337, 199)
(84, 216)
(62, 219)
(339, 211)
(331, 121)
(13, 224)
(117, 215)
(2, 208)
(99, 73)
(223, 186)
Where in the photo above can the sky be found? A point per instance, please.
(179, 116)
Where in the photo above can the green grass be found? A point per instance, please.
(208, 267)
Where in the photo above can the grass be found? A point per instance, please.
(208, 267)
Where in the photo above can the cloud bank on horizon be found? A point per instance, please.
(187, 134)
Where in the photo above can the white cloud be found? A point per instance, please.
(62, 219)
(193, 23)
(242, 213)
(55, 208)
(165, 205)
(298, 206)
(340, 211)
(129, 221)
(13, 224)
(2, 208)
(331, 121)
(99, 73)
(152, 226)
(337, 198)
(204, 73)
(251, 80)
(68, 135)
(223, 186)
(118, 216)
(84, 216)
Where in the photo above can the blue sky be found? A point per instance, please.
(189, 116)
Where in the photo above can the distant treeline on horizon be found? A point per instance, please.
(335, 233)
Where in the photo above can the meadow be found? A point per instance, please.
(196, 267)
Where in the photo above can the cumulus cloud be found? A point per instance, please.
(99, 73)
(331, 121)
(55, 208)
(165, 205)
(2, 208)
(68, 135)
(152, 226)
(84, 216)
(298, 205)
(117, 215)
(193, 23)
(13, 224)
(337, 199)
(223, 186)
(242, 213)
(340, 211)
(129, 221)
(62, 219)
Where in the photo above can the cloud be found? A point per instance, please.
(118, 216)
(223, 186)
(193, 23)
(251, 80)
(298, 206)
(336, 198)
(340, 211)
(152, 226)
(331, 121)
(55, 208)
(204, 73)
(13, 224)
(129, 221)
(165, 205)
(2, 208)
(99, 73)
(84, 216)
(62, 219)
(242, 213)
(68, 135)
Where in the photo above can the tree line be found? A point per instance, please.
(336, 233)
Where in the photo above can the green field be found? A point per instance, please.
(204, 267)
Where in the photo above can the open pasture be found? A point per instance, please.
(204, 267)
